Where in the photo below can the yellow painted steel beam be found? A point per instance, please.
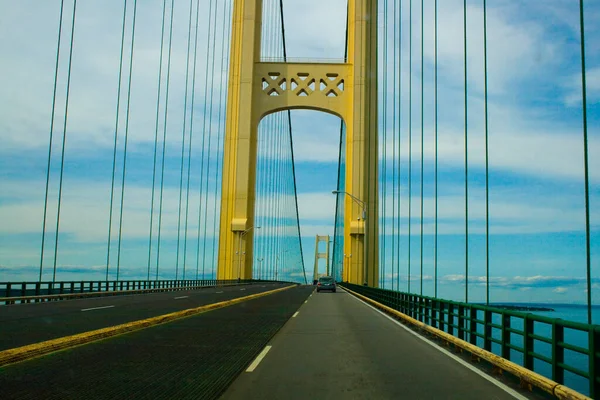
(24, 353)
(547, 385)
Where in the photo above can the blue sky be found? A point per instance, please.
(536, 176)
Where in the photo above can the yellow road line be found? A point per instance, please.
(537, 380)
(23, 353)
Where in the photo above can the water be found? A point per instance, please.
(576, 313)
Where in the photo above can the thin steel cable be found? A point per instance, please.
(435, 246)
(466, 161)
(160, 62)
(370, 134)
(162, 178)
(487, 184)
(409, 141)
(384, 116)
(289, 121)
(586, 164)
(210, 134)
(399, 176)
(187, 201)
(222, 100)
(126, 137)
(117, 114)
(206, 120)
(64, 141)
(58, 41)
(422, 142)
(185, 100)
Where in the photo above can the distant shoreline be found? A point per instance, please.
(522, 308)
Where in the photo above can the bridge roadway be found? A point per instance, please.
(323, 346)
(24, 324)
(339, 347)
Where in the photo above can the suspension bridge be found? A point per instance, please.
(152, 237)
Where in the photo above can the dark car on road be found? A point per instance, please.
(326, 283)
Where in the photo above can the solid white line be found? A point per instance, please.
(258, 359)
(305, 301)
(181, 297)
(242, 289)
(485, 376)
(220, 291)
(295, 314)
(96, 308)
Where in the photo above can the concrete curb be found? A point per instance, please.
(27, 352)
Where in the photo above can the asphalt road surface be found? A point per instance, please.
(337, 347)
(24, 324)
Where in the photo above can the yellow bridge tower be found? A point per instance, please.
(347, 90)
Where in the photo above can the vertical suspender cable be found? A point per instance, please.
(435, 84)
(289, 121)
(126, 137)
(222, 100)
(114, 166)
(399, 176)
(422, 142)
(210, 134)
(487, 178)
(62, 4)
(162, 179)
(185, 99)
(189, 168)
(409, 141)
(206, 120)
(586, 163)
(62, 158)
(384, 114)
(466, 162)
(160, 62)
(394, 261)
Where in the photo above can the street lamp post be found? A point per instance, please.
(363, 205)
(277, 263)
(260, 260)
(240, 250)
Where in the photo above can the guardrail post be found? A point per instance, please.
(72, 288)
(461, 322)
(61, 288)
(434, 314)
(8, 284)
(527, 342)
(37, 288)
(505, 336)
(558, 352)
(473, 326)
(23, 289)
(594, 360)
(449, 327)
(487, 330)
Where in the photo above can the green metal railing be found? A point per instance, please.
(10, 290)
(541, 344)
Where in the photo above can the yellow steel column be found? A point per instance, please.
(239, 162)
(361, 147)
